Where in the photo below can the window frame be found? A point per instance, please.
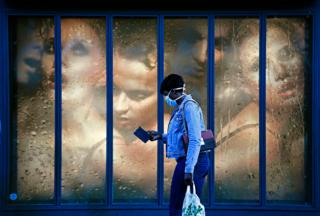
(160, 16)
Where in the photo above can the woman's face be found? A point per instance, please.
(29, 53)
(284, 68)
(135, 92)
(83, 60)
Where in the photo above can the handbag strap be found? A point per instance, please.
(184, 119)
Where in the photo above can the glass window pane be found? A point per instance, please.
(32, 111)
(288, 103)
(83, 109)
(134, 104)
(237, 109)
(185, 45)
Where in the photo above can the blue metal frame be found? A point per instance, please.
(5, 106)
(58, 108)
(210, 104)
(160, 39)
(109, 102)
(159, 208)
(2, 105)
(316, 107)
(262, 109)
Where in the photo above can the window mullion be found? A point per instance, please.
(210, 104)
(109, 122)
(262, 108)
(58, 107)
(160, 170)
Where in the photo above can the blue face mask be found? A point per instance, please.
(172, 102)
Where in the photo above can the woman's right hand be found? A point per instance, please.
(154, 135)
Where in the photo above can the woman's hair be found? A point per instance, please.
(170, 82)
(135, 38)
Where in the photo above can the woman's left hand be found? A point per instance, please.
(188, 179)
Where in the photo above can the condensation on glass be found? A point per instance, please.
(236, 60)
(32, 111)
(134, 104)
(288, 110)
(83, 109)
(185, 50)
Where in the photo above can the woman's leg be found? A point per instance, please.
(178, 189)
(200, 172)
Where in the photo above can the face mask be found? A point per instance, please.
(171, 102)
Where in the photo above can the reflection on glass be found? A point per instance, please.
(185, 45)
(237, 110)
(32, 112)
(287, 103)
(83, 109)
(134, 105)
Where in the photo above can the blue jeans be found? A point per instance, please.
(178, 187)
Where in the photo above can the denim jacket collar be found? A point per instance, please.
(185, 98)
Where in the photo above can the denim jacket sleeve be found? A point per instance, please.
(164, 137)
(193, 121)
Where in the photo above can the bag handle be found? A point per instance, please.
(191, 190)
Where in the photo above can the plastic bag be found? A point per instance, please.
(192, 205)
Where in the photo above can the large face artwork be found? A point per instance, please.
(135, 92)
(284, 67)
(135, 101)
(83, 60)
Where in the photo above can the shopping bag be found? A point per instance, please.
(192, 205)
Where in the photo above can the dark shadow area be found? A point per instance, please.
(98, 5)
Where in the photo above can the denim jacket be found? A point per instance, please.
(174, 136)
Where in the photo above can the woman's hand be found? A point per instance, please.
(154, 135)
(188, 179)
